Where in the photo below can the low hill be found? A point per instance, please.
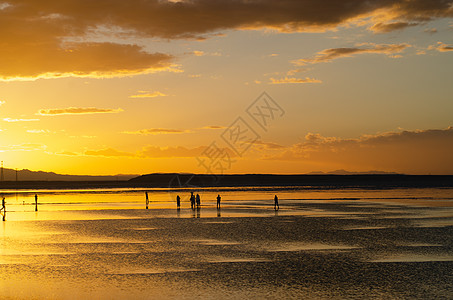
(174, 180)
(27, 175)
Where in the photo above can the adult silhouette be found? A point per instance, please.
(276, 206)
(192, 200)
(218, 201)
(198, 200)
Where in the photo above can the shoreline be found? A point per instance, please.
(369, 181)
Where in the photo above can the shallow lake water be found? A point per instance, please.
(104, 244)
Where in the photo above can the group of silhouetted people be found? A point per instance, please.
(195, 201)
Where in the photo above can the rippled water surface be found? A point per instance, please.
(321, 244)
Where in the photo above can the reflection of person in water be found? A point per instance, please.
(218, 201)
(178, 201)
(198, 200)
(276, 206)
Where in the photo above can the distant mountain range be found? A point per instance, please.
(309, 181)
(344, 172)
(27, 175)
(332, 180)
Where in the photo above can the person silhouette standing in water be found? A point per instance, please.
(36, 202)
(198, 200)
(3, 209)
(147, 199)
(276, 206)
(218, 201)
(192, 200)
(178, 201)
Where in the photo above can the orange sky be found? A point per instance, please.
(135, 87)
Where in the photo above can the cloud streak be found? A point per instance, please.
(388, 27)
(213, 127)
(24, 147)
(328, 55)
(294, 80)
(109, 152)
(153, 131)
(146, 94)
(19, 120)
(76, 111)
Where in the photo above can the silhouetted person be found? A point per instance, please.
(276, 206)
(3, 209)
(218, 201)
(178, 201)
(147, 199)
(198, 200)
(36, 202)
(192, 200)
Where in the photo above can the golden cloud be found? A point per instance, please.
(213, 127)
(441, 47)
(294, 80)
(157, 131)
(76, 111)
(146, 94)
(50, 60)
(328, 55)
(24, 147)
(19, 120)
(267, 145)
(388, 27)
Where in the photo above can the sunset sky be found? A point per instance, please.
(135, 87)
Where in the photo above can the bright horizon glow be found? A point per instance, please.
(125, 90)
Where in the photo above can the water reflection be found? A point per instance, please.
(106, 246)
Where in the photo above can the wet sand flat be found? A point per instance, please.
(368, 246)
